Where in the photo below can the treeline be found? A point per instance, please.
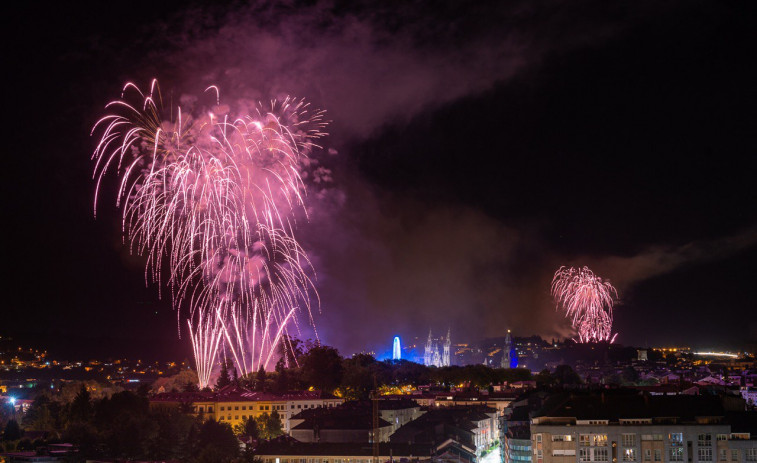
(321, 367)
(124, 427)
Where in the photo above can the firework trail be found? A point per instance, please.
(211, 196)
(587, 300)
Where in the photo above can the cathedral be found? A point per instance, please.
(432, 356)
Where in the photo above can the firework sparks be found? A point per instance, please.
(211, 198)
(587, 300)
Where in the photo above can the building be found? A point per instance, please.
(433, 356)
(233, 404)
(287, 450)
(475, 428)
(352, 421)
(631, 427)
(509, 354)
(499, 401)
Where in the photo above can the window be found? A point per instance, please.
(629, 440)
(734, 455)
(629, 454)
(210, 408)
(723, 455)
(601, 454)
(583, 455)
(751, 454)
(221, 407)
(538, 438)
(651, 437)
(562, 438)
(676, 453)
(704, 444)
(657, 455)
(647, 455)
(244, 407)
(722, 436)
(676, 438)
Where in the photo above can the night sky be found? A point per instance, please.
(480, 145)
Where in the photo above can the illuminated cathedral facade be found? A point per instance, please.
(437, 354)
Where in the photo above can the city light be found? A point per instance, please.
(717, 354)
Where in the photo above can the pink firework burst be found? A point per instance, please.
(211, 197)
(587, 300)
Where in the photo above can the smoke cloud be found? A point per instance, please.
(388, 263)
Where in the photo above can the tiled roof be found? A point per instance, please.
(287, 446)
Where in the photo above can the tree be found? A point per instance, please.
(629, 374)
(126, 428)
(81, 407)
(12, 431)
(224, 379)
(545, 379)
(269, 426)
(274, 425)
(358, 375)
(322, 368)
(173, 432)
(260, 379)
(565, 375)
(247, 429)
(39, 417)
(290, 349)
(282, 378)
(216, 443)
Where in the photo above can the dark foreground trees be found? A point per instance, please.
(124, 427)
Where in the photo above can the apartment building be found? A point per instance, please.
(633, 427)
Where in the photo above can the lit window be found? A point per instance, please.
(676, 454)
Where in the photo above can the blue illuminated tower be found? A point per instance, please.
(396, 349)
